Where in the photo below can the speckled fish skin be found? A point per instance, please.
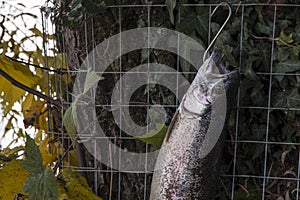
(181, 172)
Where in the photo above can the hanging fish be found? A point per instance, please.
(187, 165)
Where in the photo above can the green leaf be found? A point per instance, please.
(34, 161)
(261, 28)
(69, 124)
(287, 66)
(94, 6)
(156, 136)
(192, 22)
(171, 4)
(289, 99)
(91, 79)
(42, 186)
(281, 54)
(249, 72)
(69, 121)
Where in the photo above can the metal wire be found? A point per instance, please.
(233, 176)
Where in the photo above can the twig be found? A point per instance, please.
(30, 90)
(275, 39)
(61, 159)
(58, 71)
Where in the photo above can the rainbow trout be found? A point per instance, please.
(187, 164)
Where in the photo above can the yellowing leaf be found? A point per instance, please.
(27, 103)
(283, 39)
(77, 186)
(31, 118)
(43, 123)
(12, 152)
(20, 73)
(60, 61)
(71, 159)
(11, 93)
(13, 177)
(48, 157)
(38, 33)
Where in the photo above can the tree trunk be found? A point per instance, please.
(89, 32)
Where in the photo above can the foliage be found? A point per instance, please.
(34, 174)
(171, 4)
(155, 137)
(13, 176)
(38, 181)
(78, 8)
(74, 186)
(260, 57)
(70, 114)
(12, 42)
(41, 183)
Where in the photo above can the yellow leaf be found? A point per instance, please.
(10, 94)
(71, 159)
(13, 177)
(27, 103)
(77, 186)
(43, 82)
(20, 73)
(284, 39)
(60, 61)
(32, 117)
(43, 123)
(12, 152)
(48, 157)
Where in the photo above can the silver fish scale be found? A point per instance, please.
(180, 176)
(187, 164)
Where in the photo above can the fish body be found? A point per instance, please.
(187, 164)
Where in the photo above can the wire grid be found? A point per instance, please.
(233, 176)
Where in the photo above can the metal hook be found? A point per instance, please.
(217, 35)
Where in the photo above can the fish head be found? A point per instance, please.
(212, 82)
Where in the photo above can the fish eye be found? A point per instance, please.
(202, 87)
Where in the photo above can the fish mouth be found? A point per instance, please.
(230, 80)
(221, 79)
(212, 83)
(218, 59)
(228, 76)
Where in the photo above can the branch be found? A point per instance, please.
(30, 90)
(58, 71)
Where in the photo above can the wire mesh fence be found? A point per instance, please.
(262, 158)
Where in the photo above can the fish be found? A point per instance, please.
(188, 161)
